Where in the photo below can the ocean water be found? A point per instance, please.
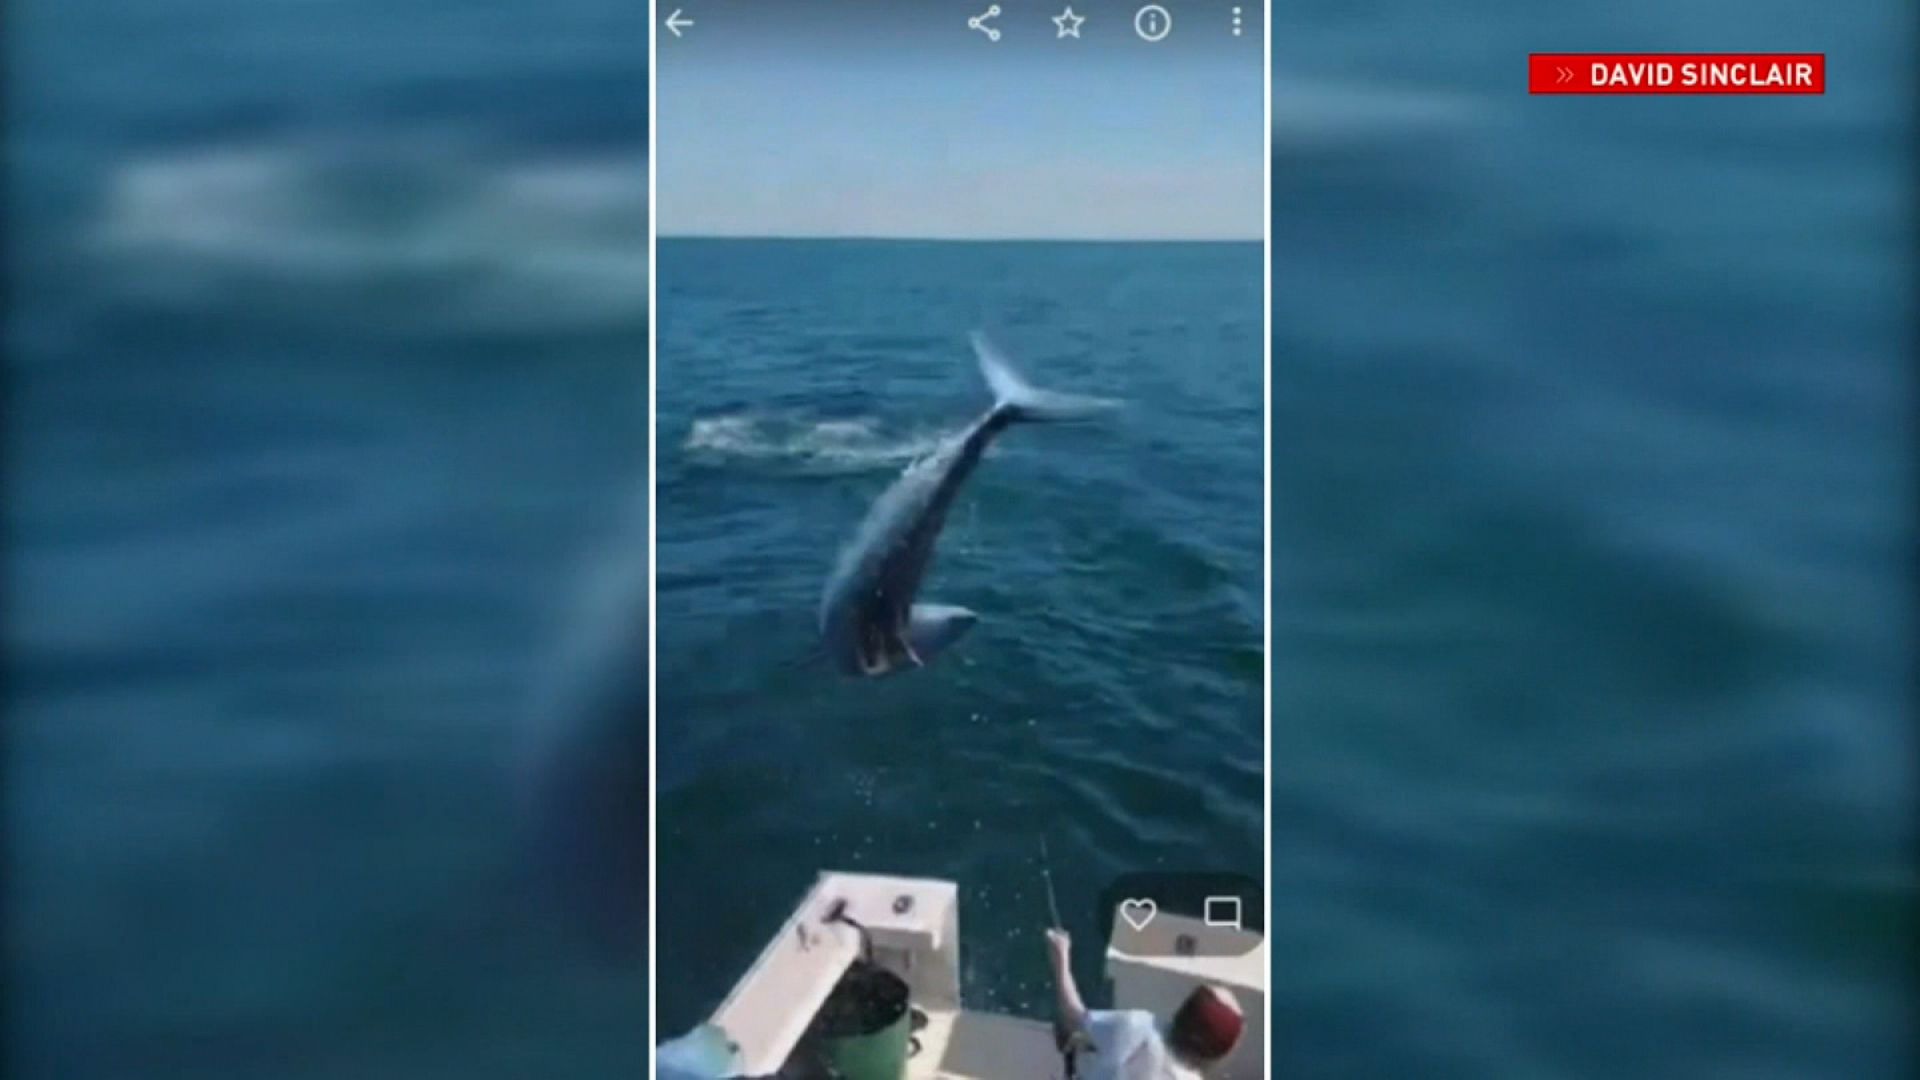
(1109, 700)
(1592, 532)
(326, 394)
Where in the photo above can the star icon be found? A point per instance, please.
(1069, 23)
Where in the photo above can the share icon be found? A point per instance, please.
(979, 22)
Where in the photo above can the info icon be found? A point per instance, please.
(1152, 22)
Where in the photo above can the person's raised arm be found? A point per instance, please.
(1073, 1011)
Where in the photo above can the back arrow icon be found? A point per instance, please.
(675, 22)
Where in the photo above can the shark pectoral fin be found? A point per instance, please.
(933, 627)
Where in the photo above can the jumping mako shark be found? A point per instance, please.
(869, 622)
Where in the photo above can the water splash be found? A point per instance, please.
(835, 446)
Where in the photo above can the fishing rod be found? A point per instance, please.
(1069, 1039)
(1046, 876)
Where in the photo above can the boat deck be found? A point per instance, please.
(911, 927)
(984, 1046)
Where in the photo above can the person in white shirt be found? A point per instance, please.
(1125, 1044)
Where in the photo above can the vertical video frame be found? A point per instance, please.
(959, 540)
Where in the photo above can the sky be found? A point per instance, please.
(857, 119)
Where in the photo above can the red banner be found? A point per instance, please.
(1676, 73)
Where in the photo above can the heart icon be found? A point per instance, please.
(1138, 913)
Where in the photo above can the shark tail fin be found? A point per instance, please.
(1019, 400)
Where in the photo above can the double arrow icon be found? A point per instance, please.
(677, 22)
(1566, 73)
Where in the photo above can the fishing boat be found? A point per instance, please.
(862, 981)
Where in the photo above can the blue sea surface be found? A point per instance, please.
(1109, 701)
(326, 386)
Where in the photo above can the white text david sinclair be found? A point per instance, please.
(1704, 74)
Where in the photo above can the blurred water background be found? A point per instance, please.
(326, 366)
(1592, 648)
(1591, 530)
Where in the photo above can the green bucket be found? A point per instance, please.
(865, 1029)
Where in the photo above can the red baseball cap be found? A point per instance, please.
(1208, 1024)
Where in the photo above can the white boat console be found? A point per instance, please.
(913, 926)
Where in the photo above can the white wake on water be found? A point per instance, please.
(838, 445)
(462, 239)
